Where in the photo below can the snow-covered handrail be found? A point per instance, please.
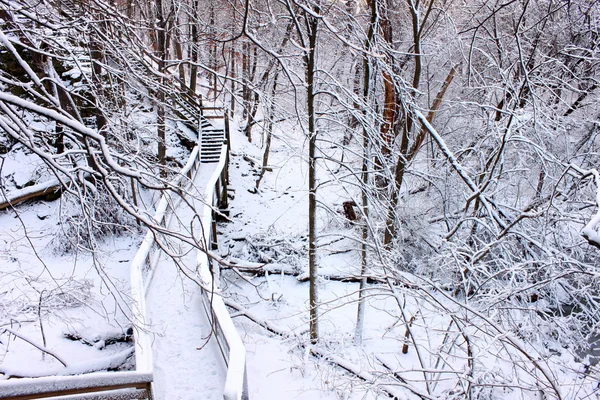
(230, 343)
(126, 384)
(143, 351)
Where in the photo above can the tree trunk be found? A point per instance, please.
(360, 315)
(194, 51)
(269, 134)
(403, 157)
(232, 67)
(310, 61)
(160, 112)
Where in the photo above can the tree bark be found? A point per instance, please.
(160, 112)
(310, 61)
(360, 315)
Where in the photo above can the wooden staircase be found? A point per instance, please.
(210, 137)
(211, 141)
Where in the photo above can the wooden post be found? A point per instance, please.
(218, 193)
(213, 241)
(149, 390)
(223, 201)
(228, 144)
(225, 173)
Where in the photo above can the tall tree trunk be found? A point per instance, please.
(360, 315)
(417, 27)
(269, 134)
(245, 74)
(194, 50)
(179, 55)
(390, 110)
(310, 61)
(96, 54)
(160, 112)
(232, 67)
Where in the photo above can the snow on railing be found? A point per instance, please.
(143, 351)
(105, 385)
(230, 343)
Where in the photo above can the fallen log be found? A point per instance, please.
(283, 269)
(49, 191)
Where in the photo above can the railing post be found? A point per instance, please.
(213, 242)
(225, 173)
(226, 117)
(149, 390)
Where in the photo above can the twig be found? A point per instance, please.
(41, 348)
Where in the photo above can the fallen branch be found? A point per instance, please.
(41, 348)
(284, 269)
(103, 340)
(50, 190)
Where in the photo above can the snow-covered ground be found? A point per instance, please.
(270, 227)
(73, 305)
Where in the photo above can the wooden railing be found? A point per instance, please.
(228, 339)
(145, 260)
(106, 385)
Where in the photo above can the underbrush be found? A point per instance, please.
(89, 217)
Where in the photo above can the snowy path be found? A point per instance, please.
(186, 366)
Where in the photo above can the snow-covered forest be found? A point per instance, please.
(410, 207)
